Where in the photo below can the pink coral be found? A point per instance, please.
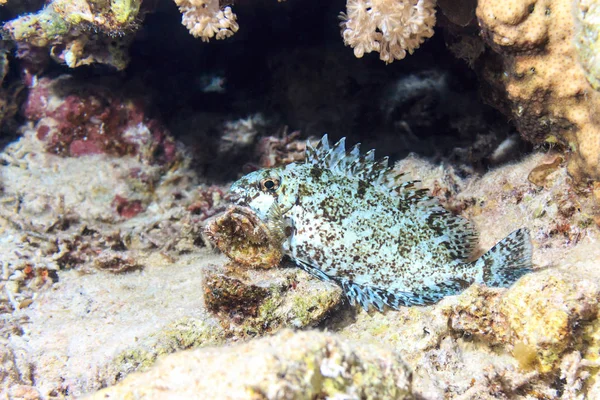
(74, 120)
(127, 208)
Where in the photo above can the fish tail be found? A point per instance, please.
(507, 261)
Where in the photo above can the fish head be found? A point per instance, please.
(267, 189)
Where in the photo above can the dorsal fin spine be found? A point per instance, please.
(351, 163)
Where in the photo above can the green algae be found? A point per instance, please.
(267, 311)
(125, 11)
(39, 28)
(247, 307)
(186, 333)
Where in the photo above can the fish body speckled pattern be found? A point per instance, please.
(342, 217)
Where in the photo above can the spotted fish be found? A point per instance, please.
(343, 217)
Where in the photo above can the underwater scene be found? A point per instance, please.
(300, 199)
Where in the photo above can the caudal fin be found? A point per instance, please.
(507, 261)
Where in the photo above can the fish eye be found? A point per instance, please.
(269, 184)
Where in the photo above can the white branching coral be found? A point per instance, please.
(391, 27)
(205, 19)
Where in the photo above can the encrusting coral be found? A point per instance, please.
(74, 118)
(587, 39)
(538, 79)
(389, 27)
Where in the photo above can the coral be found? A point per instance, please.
(240, 135)
(289, 365)
(587, 39)
(113, 16)
(205, 19)
(80, 32)
(74, 118)
(275, 151)
(468, 346)
(92, 329)
(389, 27)
(79, 218)
(535, 76)
(38, 29)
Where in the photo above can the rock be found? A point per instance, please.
(74, 118)
(303, 365)
(540, 318)
(89, 331)
(258, 301)
(80, 32)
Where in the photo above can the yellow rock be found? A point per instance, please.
(540, 318)
(303, 365)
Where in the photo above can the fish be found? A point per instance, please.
(347, 218)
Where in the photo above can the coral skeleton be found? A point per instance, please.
(390, 27)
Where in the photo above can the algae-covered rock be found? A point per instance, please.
(80, 32)
(227, 294)
(251, 295)
(549, 314)
(539, 319)
(186, 333)
(255, 302)
(304, 365)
